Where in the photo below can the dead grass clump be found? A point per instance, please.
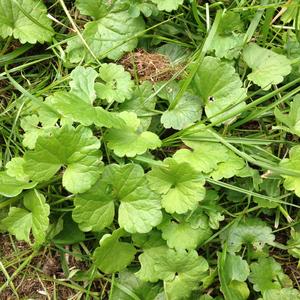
(148, 66)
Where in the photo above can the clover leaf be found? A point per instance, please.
(117, 84)
(266, 274)
(75, 148)
(25, 20)
(168, 5)
(33, 218)
(267, 66)
(253, 232)
(292, 183)
(112, 255)
(179, 184)
(112, 33)
(292, 119)
(181, 271)
(128, 140)
(219, 87)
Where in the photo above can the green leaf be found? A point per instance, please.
(219, 87)
(266, 274)
(292, 119)
(294, 242)
(236, 268)
(267, 66)
(210, 208)
(181, 234)
(93, 8)
(77, 104)
(67, 146)
(11, 186)
(229, 168)
(70, 233)
(30, 124)
(25, 20)
(83, 83)
(128, 140)
(180, 270)
(140, 211)
(168, 5)
(179, 184)
(148, 240)
(117, 84)
(186, 111)
(129, 286)
(34, 218)
(292, 183)
(228, 41)
(214, 159)
(94, 210)
(141, 6)
(205, 156)
(233, 271)
(109, 36)
(112, 255)
(71, 106)
(251, 232)
(142, 103)
(15, 168)
(140, 208)
(282, 294)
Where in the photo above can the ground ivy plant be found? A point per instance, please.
(181, 187)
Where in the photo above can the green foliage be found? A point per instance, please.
(32, 218)
(251, 232)
(267, 66)
(129, 140)
(25, 20)
(292, 120)
(75, 148)
(110, 35)
(167, 5)
(266, 274)
(233, 272)
(184, 186)
(116, 86)
(291, 183)
(219, 88)
(181, 271)
(112, 255)
(179, 184)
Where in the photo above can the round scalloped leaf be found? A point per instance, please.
(267, 66)
(16, 19)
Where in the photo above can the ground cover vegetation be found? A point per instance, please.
(149, 149)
